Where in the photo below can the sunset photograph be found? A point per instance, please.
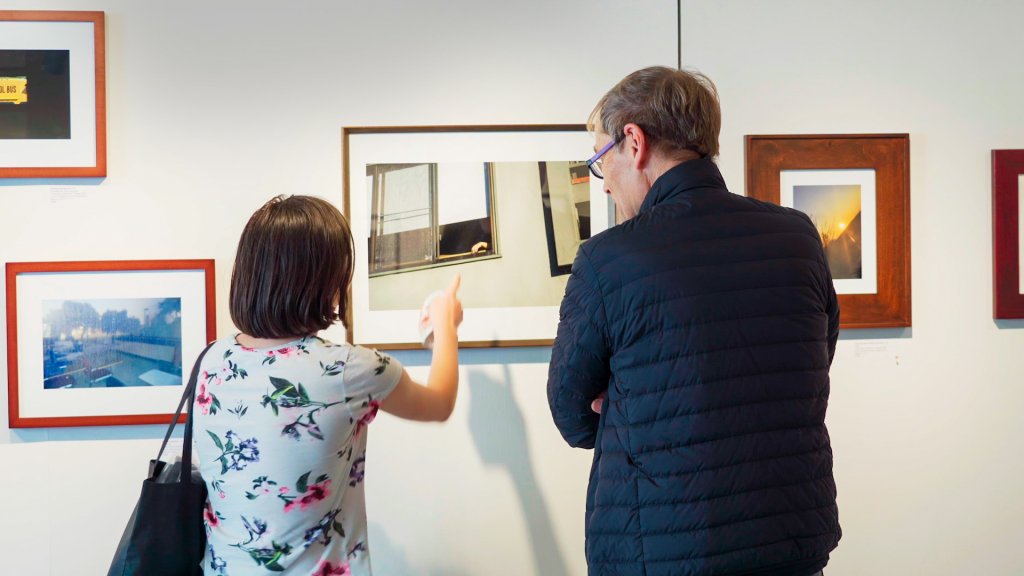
(835, 211)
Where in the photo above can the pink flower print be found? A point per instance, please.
(371, 413)
(204, 399)
(328, 569)
(209, 516)
(314, 493)
(287, 352)
(214, 377)
(271, 356)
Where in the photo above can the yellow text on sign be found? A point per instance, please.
(14, 89)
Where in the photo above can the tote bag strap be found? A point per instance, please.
(187, 396)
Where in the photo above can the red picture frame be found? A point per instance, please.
(1007, 301)
(34, 403)
(889, 156)
(98, 168)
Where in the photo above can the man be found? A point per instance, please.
(692, 354)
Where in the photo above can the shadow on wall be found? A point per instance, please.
(499, 434)
(877, 334)
(80, 433)
(480, 356)
(1009, 324)
(386, 558)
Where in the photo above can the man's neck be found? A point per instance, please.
(659, 164)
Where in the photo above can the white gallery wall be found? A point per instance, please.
(213, 107)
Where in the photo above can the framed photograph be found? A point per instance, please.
(856, 190)
(507, 207)
(1008, 233)
(52, 94)
(104, 343)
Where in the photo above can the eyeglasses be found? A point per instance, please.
(595, 161)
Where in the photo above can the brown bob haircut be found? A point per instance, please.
(677, 109)
(292, 269)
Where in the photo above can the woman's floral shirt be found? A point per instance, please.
(281, 436)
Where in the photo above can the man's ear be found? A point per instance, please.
(637, 145)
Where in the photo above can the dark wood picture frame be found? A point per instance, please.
(99, 167)
(355, 332)
(1007, 300)
(14, 384)
(889, 156)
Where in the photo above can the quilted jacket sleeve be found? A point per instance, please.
(579, 369)
(833, 320)
(828, 288)
(828, 291)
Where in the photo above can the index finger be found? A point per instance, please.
(456, 281)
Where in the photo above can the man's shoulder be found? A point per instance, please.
(770, 215)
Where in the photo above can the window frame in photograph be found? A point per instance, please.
(434, 256)
(558, 268)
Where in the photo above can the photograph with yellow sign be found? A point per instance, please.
(35, 94)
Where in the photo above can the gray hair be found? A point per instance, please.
(677, 109)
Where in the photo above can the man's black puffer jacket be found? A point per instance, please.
(711, 320)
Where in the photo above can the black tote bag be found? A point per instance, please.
(165, 534)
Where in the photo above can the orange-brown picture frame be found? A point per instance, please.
(767, 156)
(192, 280)
(45, 167)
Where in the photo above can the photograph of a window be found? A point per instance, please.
(427, 215)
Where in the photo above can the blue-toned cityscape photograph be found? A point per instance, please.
(108, 343)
